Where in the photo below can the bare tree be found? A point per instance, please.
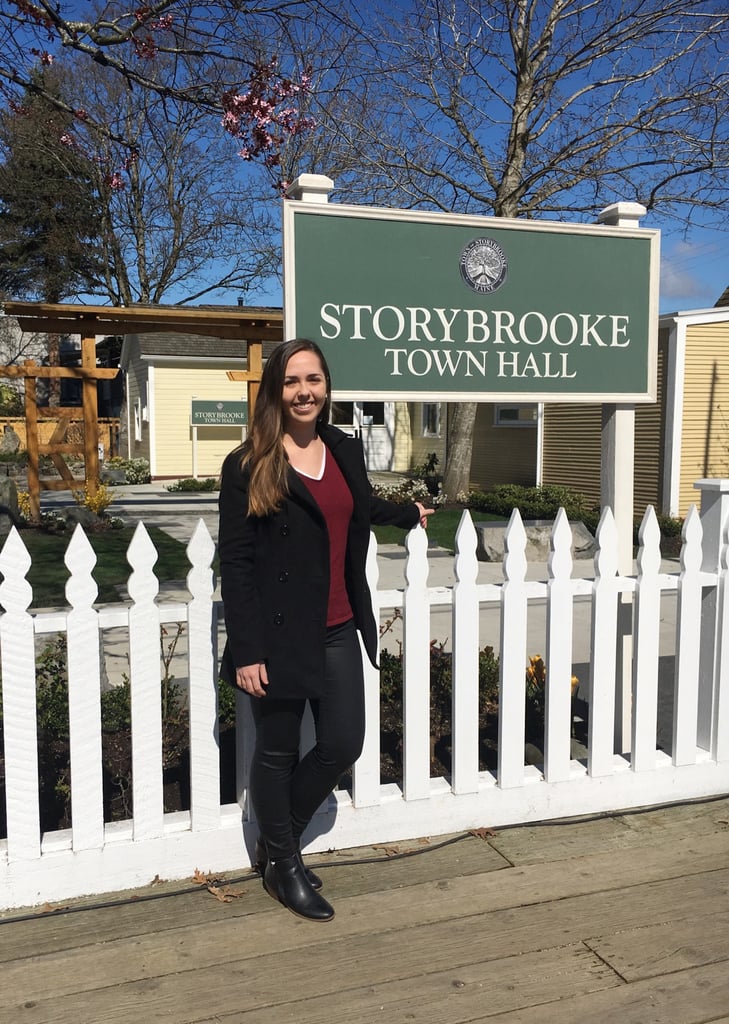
(179, 210)
(164, 96)
(219, 59)
(534, 108)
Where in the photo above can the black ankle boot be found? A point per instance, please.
(285, 880)
(262, 859)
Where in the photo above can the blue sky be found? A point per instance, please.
(694, 271)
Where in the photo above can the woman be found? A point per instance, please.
(295, 514)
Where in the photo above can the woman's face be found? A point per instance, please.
(304, 390)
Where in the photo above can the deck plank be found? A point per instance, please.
(650, 950)
(529, 885)
(696, 996)
(307, 985)
(451, 935)
(372, 948)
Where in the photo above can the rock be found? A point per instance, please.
(79, 514)
(113, 477)
(533, 755)
(9, 442)
(9, 514)
(490, 545)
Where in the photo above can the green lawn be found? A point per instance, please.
(48, 573)
(442, 526)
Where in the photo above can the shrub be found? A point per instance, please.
(427, 468)
(441, 695)
(96, 501)
(533, 502)
(116, 707)
(191, 483)
(404, 491)
(24, 504)
(19, 458)
(11, 401)
(670, 526)
(226, 703)
(136, 471)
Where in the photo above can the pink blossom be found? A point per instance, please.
(45, 58)
(114, 181)
(262, 116)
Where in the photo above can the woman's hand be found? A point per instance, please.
(424, 513)
(252, 679)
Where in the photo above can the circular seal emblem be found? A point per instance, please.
(484, 265)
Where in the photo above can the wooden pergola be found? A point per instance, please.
(252, 326)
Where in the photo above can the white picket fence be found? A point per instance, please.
(93, 856)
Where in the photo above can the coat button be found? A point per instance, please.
(285, 530)
(283, 576)
(278, 619)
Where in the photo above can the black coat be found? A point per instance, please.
(275, 571)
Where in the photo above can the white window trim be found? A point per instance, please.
(423, 431)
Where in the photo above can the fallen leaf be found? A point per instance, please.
(481, 833)
(225, 894)
(389, 851)
(48, 908)
(157, 880)
(200, 878)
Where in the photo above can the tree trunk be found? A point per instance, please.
(461, 421)
(54, 359)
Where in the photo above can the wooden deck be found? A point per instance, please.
(621, 919)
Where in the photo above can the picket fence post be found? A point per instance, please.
(366, 772)
(512, 665)
(646, 646)
(84, 695)
(603, 660)
(202, 696)
(144, 675)
(688, 634)
(20, 729)
(416, 669)
(558, 698)
(465, 649)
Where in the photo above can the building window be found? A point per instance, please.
(138, 419)
(358, 414)
(373, 414)
(431, 419)
(343, 414)
(515, 415)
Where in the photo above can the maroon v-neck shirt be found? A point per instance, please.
(335, 501)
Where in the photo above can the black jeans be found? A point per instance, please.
(286, 791)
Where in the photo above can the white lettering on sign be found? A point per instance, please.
(445, 362)
(535, 364)
(418, 324)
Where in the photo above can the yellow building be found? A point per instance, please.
(680, 438)
(164, 373)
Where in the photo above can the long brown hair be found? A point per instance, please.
(263, 451)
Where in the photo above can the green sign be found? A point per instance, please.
(218, 414)
(437, 307)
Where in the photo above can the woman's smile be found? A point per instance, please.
(304, 388)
